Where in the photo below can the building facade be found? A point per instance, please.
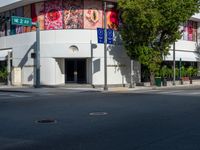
(70, 52)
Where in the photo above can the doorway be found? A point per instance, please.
(75, 71)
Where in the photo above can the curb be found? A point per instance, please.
(111, 89)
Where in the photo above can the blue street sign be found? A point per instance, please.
(100, 35)
(109, 36)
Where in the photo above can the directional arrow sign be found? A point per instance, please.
(100, 35)
(21, 21)
(109, 36)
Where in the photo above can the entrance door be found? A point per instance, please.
(75, 71)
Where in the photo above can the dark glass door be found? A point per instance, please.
(69, 70)
(75, 71)
(81, 71)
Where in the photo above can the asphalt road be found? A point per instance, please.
(147, 120)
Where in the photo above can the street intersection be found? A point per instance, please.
(73, 119)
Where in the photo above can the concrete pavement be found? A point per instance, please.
(28, 89)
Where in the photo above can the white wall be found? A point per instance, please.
(48, 71)
(60, 71)
(55, 47)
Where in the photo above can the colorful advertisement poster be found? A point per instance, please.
(27, 14)
(112, 16)
(53, 15)
(20, 13)
(190, 30)
(93, 15)
(185, 31)
(37, 14)
(194, 37)
(73, 14)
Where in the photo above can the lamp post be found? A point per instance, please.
(105, 48)
(174, 64)
(37, 55)
(105, 43)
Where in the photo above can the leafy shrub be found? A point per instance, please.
(3, 74)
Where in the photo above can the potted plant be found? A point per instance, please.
(157, 78)
(3, 75)
(183, 74)
(194, 72)
(164, 73)
(189, 73)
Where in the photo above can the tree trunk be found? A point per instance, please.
(152, 79)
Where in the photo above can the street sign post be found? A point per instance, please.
(21, 21)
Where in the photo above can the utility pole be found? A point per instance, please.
(9, 69)
(37, 56)
(174, 64)
(105, 48)
(132, 74)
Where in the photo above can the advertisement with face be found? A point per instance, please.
(27, 14)
(112, 17)
(53, 15)
(73, 14)
(37, 14)
(93, 14)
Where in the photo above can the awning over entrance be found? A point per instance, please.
(185, 56)
(4, 54)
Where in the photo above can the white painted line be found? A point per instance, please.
(98, 113)
(2, 98)
(20, 96)
(3, 94)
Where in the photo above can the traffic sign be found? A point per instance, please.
(15, 20)
(100, 35)
(109, 36)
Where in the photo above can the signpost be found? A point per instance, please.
(21, 21)
(105, 36)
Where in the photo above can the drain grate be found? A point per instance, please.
(46, 121)
(98, 113)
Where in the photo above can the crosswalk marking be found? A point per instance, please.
(2, 94)
(170, 92)
(179, 92)
(21, 95)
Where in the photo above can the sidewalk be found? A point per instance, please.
(139, 88)
(28, 89)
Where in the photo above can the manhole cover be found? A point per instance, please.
(46, 121)
(98, 113)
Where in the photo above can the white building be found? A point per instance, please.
(70, 52)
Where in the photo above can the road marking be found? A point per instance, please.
(180, 92)
(20, 96)
(98, 113)
(3, 94)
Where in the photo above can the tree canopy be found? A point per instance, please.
(149, 27)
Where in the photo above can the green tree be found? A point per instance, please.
(150, 26)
